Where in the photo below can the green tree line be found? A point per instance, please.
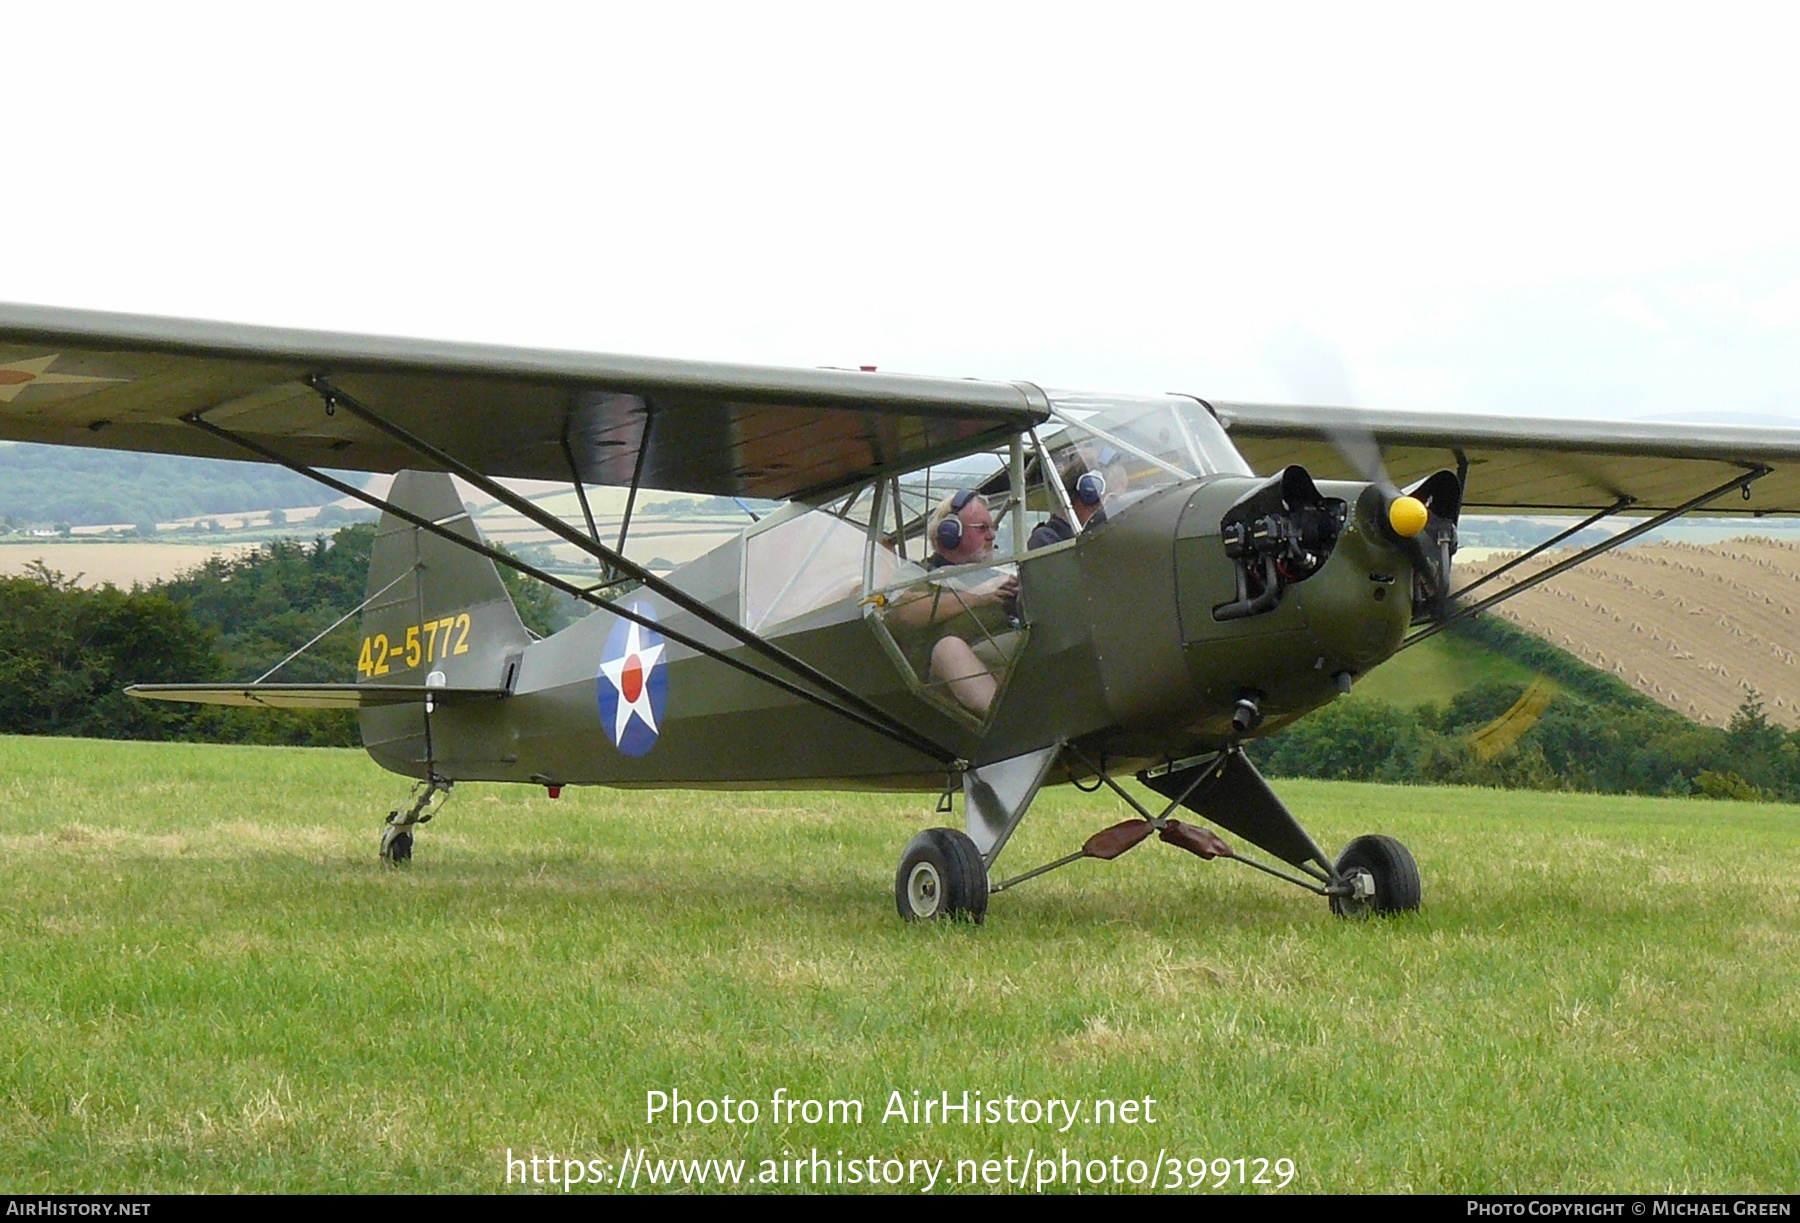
(1597, 734)
(69, 653)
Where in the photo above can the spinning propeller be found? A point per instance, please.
(1421, 519)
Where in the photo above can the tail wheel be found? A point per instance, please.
(396, 845)
(941, 875)
(1384, 876)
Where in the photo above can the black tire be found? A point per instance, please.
(396, 847)
(1390, 867)
(941, 876)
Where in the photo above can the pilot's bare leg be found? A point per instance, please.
(970, 682)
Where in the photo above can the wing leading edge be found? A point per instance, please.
(127, 382)
(1529, 465)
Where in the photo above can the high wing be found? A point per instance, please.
(129, 382)
(134, 383)
(1525, 464)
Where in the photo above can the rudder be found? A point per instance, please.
(438, 615)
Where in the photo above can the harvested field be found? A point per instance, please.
(121, 564)
(1694, 626)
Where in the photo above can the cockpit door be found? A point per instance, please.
(942, 577)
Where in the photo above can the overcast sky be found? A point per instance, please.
(1580, 210)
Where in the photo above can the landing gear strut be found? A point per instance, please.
(397, 836)
(945, 873)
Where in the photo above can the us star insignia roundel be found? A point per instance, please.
(634, 684)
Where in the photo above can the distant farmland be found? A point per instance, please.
(122, 564)
(1694, 626)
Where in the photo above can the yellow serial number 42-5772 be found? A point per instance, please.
(422, 643)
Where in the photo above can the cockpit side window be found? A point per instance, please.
(806, 559)
(920, 498)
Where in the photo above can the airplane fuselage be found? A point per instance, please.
(1125, 657)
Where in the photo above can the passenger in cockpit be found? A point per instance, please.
(1089, 481)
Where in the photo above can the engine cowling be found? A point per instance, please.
(1279, 533)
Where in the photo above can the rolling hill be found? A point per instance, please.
(1696, 627)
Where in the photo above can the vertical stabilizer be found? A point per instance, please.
(439, 615)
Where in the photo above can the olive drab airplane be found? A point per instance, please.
(984, 587)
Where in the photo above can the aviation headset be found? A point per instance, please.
(1090, 489)
(950, 528)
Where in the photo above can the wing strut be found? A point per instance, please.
(620, 565)
(587, 511)
(637, 475)
(1578, 528)
(1586, 554)
(878, 720)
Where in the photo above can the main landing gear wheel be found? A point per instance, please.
(1384, 875)
(941, 875)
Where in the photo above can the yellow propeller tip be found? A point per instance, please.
(1408, 516)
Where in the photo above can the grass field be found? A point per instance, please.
(210, 984)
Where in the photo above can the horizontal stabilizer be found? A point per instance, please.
(309, 696)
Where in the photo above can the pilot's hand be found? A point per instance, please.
(999, 590)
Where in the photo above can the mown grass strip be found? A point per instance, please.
(211, 984)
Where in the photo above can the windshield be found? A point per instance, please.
(1142, 442)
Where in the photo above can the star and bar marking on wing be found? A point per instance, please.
(15, 376)
(634, 684)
